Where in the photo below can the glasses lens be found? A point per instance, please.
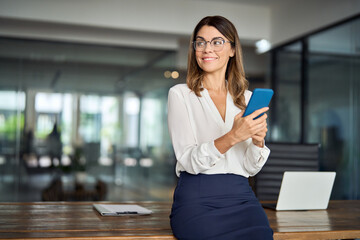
(216, 44)
(199, 45)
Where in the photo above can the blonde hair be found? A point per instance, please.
(235, 75)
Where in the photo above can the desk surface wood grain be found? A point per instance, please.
(58, 220)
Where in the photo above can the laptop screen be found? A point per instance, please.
(305, 190)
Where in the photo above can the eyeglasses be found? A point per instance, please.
(217, 44)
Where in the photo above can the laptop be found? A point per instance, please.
(304, 191)
(121, 209)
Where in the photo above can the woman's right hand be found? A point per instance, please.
(246, 127)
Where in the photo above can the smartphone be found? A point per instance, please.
(260, 98)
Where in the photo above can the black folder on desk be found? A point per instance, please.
(121, 209)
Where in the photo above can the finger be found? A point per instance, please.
(260, 130)
(240, 114)
(258, 112)
(261, 119)
(261, 134)
(257, 138)
(256, 131)
(259, 123)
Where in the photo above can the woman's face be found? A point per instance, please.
(211, 61)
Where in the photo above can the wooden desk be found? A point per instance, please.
(340, 221)
(80, 221)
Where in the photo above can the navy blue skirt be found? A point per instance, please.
(218, 206)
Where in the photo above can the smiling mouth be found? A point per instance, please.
(209, 59)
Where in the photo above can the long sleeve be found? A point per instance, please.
(193, 157)
(255, 158)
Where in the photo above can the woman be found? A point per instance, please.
(216, 148)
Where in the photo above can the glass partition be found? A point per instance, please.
(334, 58)
(12, 144)
(326, 73)
(287, 98)
(84, 122)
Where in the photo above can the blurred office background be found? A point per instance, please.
(83, 90)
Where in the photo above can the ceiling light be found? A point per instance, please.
(262, 46)
(167, 74)
(175, 74)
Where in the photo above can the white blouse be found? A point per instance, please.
(194, 123)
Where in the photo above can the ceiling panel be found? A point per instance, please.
(60, 67)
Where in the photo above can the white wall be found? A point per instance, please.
(166, 24)
(293, 18)
(173, 17)
(159, 23)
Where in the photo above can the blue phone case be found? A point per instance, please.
(260, 98)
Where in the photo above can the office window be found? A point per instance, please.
(151, 130)
(99, 96)
(90, 118)
(286, 127)
(67, 121)
(12, 105)
(334, 103)
(12, 119)
(326, 73)
(131, 119)
(48, 108)
(110, 129)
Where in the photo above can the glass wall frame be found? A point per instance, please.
(329, 100)
(110, 74)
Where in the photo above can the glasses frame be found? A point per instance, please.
(211, 44)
